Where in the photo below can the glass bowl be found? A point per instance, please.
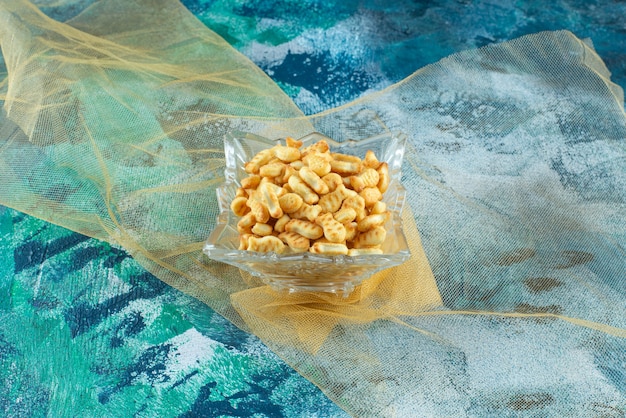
(307, 271)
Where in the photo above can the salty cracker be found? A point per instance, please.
(290, 202)
(271, 201)
(371, 160)
(251, 182)
(333, 231)
(246, 223)
(345, 157)
(259, 160)
(251, 193)
(319, 146)
(266, 182)
(304, 228)
(243, 241)
(345, 167)
(332, 180)
(262, 229)
(307, 211)
(295, 241)
(272, 169)
(329, 248)
(364, 251)
(279, 225)
(351, 231)
(378, 207)
(318, 163)
(289, 171)
(266, 244)
(355, 202)
(301, 188)
(345, 215)
(239, 206)
(371, 238)
(371, 195)
(367, 178)
(290, 142)
(287, 188)
(326, 156)
(372, 221)
(258, 210)
(277, 180)
(331, 202)
(384, 177)
(240, 192)
(313, 180)
(286, 153)
(298, 164)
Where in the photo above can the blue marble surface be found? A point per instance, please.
(327, 53)
(85, 331)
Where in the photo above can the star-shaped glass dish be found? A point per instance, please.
(308, 271)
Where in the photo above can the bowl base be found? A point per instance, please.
(291, 284)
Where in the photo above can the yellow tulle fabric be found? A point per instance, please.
(305, 320)
(112, 126)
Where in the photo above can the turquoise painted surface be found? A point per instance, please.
(327, 53)
(85, 331)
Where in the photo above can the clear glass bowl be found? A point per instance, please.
(307, 271)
